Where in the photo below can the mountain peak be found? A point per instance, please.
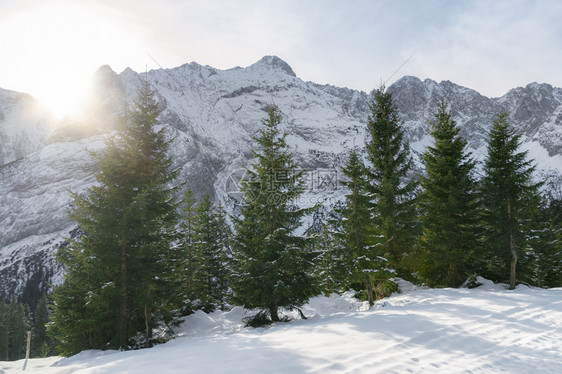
(408, 79)
(128, 71)
(105, 78)
(105, 69)
(275, 62)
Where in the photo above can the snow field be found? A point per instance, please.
(484, 330)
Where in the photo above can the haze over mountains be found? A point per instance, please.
(211, 116)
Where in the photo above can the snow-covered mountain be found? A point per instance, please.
(24, 125)
(211, 116)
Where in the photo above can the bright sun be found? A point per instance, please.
(57, 47)
(64, 96)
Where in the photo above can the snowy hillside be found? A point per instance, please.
(211, 115)
(483, 330)
(24, 125)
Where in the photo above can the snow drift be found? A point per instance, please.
(483, 330)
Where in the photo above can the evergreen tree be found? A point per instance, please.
(333, 264)
(392, 197)
(152, 216)
(449, 206)
(541, 263)
(190, 259)
(84, 311)
(14, 324)
(118, 280)
(550, 255)
(205, 246)
(223, 241)
(363, 257)
(210, 240)
(41, 344)
(3, 331)
(509, 199)
(271, 265)
(205, 237)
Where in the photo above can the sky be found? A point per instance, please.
(51, 48)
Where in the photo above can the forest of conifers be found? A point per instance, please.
(147, 254)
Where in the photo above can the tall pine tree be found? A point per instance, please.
(392, 195)
(118, 279)
(223, 243)
(550, 257)
(189, 260)
(361, 251)
(449, 206)
(204, 252)
(14, 324)
(211, 245)
(271, 265)
(41, 344)
(510, 199)
(333, 263)
(541, 263)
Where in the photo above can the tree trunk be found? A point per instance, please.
(7, 343)
(512, 248)
(451, 280)
(123, 311)
(148, 332)
(273, 311)
(513, 269)
(147, 318)
(369, 289)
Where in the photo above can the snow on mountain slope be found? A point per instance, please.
(24, 125)
(484, 330)
(535, 112)
(211, 116)
(33, 220)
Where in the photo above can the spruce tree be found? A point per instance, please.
(541, 260)
(271, 264)
(41, 344)
(211, 243)
(84, 311)
(190, 260)
(14, 324)
(392, 195)
(363, 257)
(205, 252)
(3, 330)
(118, 281)
(335, 259)
(205, 246)
(152, 214)
(509, 199)
(550, 256)
(223, 240)
(449, 206)
(334, 262)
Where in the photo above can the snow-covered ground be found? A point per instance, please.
(484, 330)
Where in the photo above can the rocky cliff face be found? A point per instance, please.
(211, 116)
(534, 111)
(24, 125)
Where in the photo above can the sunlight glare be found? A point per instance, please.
(65, 96)
(59, 46)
